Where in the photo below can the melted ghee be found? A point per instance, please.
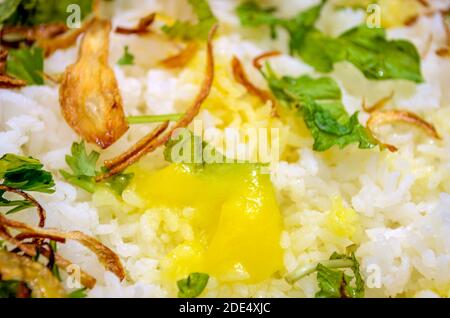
(236, 220)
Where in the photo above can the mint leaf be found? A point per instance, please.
(192, 286)
(318, 101)
(127, 58)
(366, 48)
(190, 31)
(26, 64)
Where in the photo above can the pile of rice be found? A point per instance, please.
(397, 204)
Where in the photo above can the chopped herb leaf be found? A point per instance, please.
(127, 58)
(83, 166)
(10, 288)
(8, 8)
(34, 12)
(318, 101)
(366, 48)
(79, 293)
(188, 148)
(189, 31)
(54, 268)
(192, 286)
(337, 284)
(26, 174)
(26, 64)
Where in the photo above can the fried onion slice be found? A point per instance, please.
(29, 198)
(393, 116)
(182, 58)
(37, 277)
(241, 77)
(89, 94)
(257, 61)
(161, 135)
(143, 26)
(10, 82)
(105, 255)
(378, 105)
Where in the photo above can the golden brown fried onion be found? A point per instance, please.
(37, 277)
(393, 116)
(257, 61)
(378, 105)
(142, 28)
(29, 198)
(160, 136)
(241, 77)
(89, 94)
(182, 58)
(105, 255)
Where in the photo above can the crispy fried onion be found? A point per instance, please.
(29, 198)
(241, 77)
(142, 28)
(36, 276)
(378, 105)
(392, 116)
(64, 40)
(34, 33)
(105, 255)
(445, 51)
(89, 94)
(257, 61)
(7, 81)
(160, 136)
(182, 58)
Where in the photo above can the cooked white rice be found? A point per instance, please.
(402, 200)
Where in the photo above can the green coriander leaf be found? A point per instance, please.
(127, 58)
(190, 149)
(7, 9)
(119, 183)
(366, 48)
(192, 286)
(34, 12)
(190, 31)
(79, 293)
(330, 282)
(318, 101)
(25, 173)
(83, 171)
(26, 64)
(10, 288)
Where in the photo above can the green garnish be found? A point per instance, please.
(192, 286)
(334, 283)
(84, 171)
(127, 58)
(26, 64)
(190, 149)
(318, 101)
(79, 293)
(189, 31)
(134, 120)
(54, 268)
(9, 288)
(367, 49)
(34, 12)
(25, 174)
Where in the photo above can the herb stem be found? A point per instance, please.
(135, 120)
(306, 270)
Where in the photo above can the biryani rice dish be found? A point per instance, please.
(356, 189)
